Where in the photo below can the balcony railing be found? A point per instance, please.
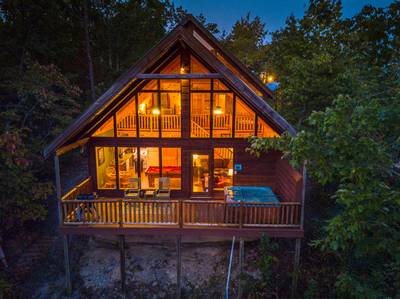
(181, 213)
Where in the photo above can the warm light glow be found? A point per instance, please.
(156, 111)
(230, 172)
(218, 110)
(195, 156)
(182, 70)
(142, 107)
(270, 79)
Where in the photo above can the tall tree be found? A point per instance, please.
(247, 42)
(88, 50)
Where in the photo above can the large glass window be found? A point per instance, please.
(149, 167)
(223, 168)
(174, 67)
(244, 120)
(174, 85)
(149, 114)
(106, 170)
(200, 115)
(106, 130)
(264, 130)
(171, 114)
(126, 120)
(151, 85)
(171, 166)
(222, 115)
(127, 165)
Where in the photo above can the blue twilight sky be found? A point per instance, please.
(272, 12)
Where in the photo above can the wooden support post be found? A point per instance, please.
(122, 267)
(58, 188)
(67, 266)
(241, 260)
(178, 268)
(296, 267)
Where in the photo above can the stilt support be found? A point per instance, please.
(296, 267)
(67, 266)
(241, 260)
(122, 259)
(178, 268)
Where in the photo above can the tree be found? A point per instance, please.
(37, 104)
(246, 41)
(351, 144)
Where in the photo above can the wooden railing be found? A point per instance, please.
(173, 122)
(84, 187)
(244, 123)
(150, 212)
(182, 213)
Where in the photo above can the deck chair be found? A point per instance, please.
(133, 192)
(164, 191)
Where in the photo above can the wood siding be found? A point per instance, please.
(289, 182)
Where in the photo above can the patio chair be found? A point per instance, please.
(164, 188)
(133, 192)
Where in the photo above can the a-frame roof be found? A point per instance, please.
(183, 33)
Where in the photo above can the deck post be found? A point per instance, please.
(67, 265)
(122, 266)
(178, 268)
(241, 260)
(58, 187)
(296, 267)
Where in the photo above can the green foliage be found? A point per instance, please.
(270, 281)
(39, 103)
(340, 83)
(246, 41)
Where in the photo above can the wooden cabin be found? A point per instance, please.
(184, 111)
(183, 115)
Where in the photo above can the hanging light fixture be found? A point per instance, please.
(218, 110)
(155, 111)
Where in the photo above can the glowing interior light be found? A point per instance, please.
(195, 156)
(218, 110)
(156, 111)
(142, 107)
(182, 70)
(230, 172)
(270, 79)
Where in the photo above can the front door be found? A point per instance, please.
(200, 169)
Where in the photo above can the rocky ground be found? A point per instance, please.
(150, 269)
